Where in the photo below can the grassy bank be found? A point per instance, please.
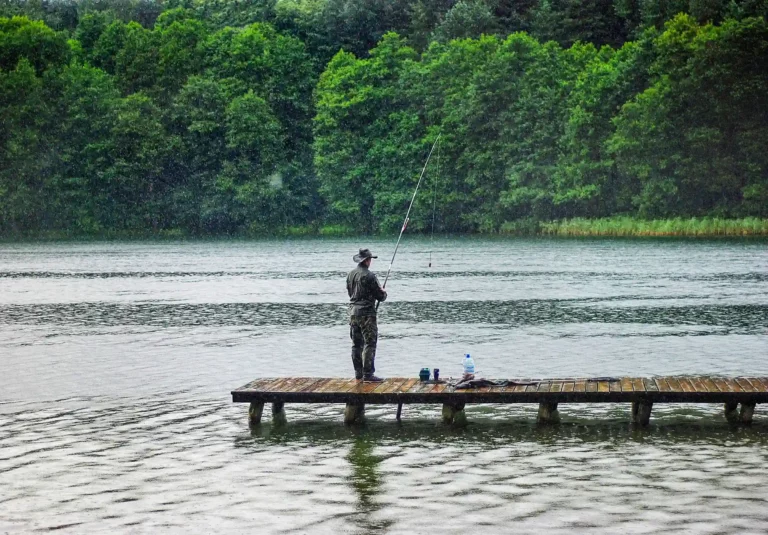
(569, 228)
(628, 227)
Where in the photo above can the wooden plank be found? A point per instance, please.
(509, 388)
(385, 385)
(637, 384)
(569, 386)
(626, 384)
(745, 384)
(763, 380)
(382, 386)
(324, 385)
(393, 385)
(603, 386)
(556, 386)
(663, 385)
(266, 383)
(334, 386)
(285, 386)
(310, 387)
(276, 385)
(419, 387)
(686, 384)
(698, 384)
(256, 384)
(580, 385)
(350, 385)
(438, 388)
(521, 388)
(406, 386)
(532, 388)
(591, 386)
(615, 386)
(543, 386)
(757, 384)
(734, 385)
(370, 387)
(721, 384)
(296, 384)
(709, 384)
(650, 385)
(674, 384)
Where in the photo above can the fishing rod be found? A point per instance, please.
(408, 213)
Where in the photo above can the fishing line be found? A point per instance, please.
(407, 214)
(434, 204)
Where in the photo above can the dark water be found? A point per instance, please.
(118, 359)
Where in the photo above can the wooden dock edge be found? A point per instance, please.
(738, 396)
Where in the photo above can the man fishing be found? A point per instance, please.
(364, 290)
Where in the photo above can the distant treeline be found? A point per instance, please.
(259, 116)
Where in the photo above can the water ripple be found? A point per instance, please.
(743, 319)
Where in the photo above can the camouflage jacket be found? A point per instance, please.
(364, 290)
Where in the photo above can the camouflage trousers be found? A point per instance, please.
(364, 333)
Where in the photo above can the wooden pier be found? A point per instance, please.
(739, 395)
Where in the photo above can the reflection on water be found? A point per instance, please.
(366, 480)
(118, 359)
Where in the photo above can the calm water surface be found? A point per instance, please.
(118, 359)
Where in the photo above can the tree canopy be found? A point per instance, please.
(211, 116)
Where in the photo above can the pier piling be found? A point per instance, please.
(453, 413)
(278, 413)
(255, 411)
(747, 410)
(354, 413)
(731, 411)
(641, 412)
(548, 413)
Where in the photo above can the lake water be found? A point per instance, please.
(118, 359)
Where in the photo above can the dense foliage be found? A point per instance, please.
(255, 116)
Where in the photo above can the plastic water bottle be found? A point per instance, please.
(469, 365)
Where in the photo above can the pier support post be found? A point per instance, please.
(548, 413)
(453, 413)
(399, 411)
(641, 412)
(278, 413)
(354, 413)
(255, 411)
(732, 412)
(747, 410)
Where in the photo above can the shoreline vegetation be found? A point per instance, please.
(614, 227)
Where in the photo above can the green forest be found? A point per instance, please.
(253, 117)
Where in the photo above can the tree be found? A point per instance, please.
(360, 108)
(181, 53)
(693, 138)
(467, 18)
(24, 155)
(87, 112)
(42, 47)
(198, 119)
(131, 180)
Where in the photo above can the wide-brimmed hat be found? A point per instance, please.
(364, 254)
